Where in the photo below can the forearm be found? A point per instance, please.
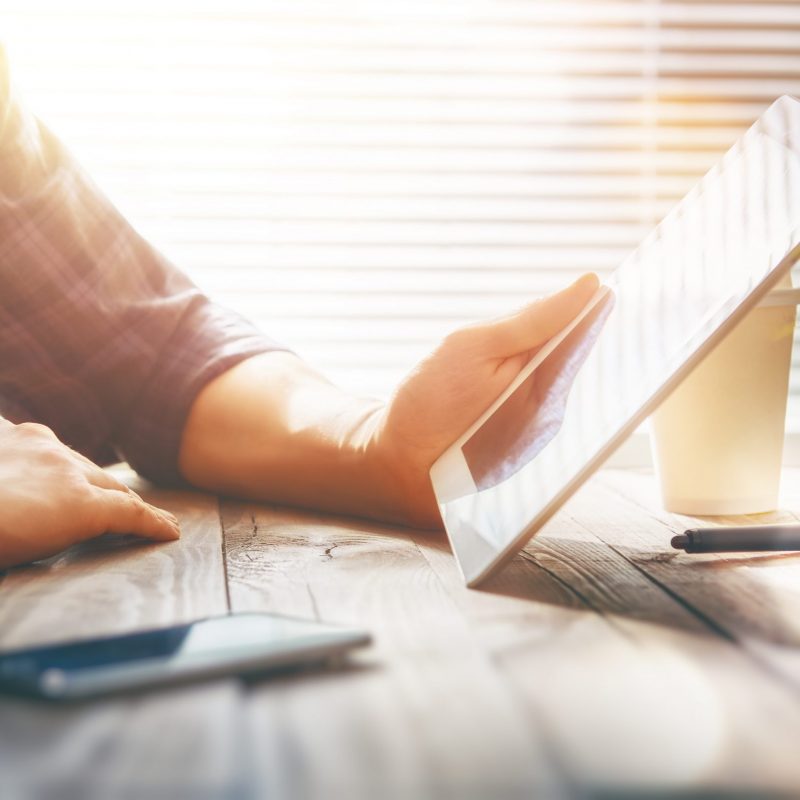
(273, 429)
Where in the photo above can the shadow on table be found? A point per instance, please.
(738, 598)
(730, 597)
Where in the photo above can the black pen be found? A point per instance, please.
(741, 539)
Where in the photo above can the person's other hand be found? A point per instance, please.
(447, 391)
(52, 497)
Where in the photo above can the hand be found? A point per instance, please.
(454, 385)
(52, 497)
(273, 429)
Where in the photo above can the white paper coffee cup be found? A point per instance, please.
(717, 440)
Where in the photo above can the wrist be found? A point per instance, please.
(404, 480)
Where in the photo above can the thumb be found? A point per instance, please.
(539, 321)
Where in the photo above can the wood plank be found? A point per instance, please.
(576, 671)
(120, 583)
(421, 714)
(172, 743)
(178, 743)
(752, 598)
(635, 691)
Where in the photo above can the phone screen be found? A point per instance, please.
(233, 644)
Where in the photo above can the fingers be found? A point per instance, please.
(123, 512)
(98, 477)
(122, 509)
(539, 321)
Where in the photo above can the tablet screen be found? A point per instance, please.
(664, 302)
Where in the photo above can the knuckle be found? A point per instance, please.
(459, 338)
(35, 430)
(91, 506)
(52, 457)
(111, 482)
(481, 339)
(125, 500)
(138, 507)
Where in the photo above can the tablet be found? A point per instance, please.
(711, 260)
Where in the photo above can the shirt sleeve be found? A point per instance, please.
(101, 338)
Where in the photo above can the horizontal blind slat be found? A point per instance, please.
(359, 177)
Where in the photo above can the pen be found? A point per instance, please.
(739, 540)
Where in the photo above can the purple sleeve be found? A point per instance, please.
(101, 338)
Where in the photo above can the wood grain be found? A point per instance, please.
(751, 598)
(634, 690)
(598, 664)
(125, 582)
(625, 686)
(186, 742)
(422, 715)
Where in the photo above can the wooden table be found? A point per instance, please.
(600, 663)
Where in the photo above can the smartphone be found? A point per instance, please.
(236, 644)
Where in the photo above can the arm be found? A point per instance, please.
(273, 429)
(119, 353)
(101, 338)
(102, 342)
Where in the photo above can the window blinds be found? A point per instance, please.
(361, 176)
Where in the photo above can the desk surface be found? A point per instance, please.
(598, 662)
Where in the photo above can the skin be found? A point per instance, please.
(52, 497)
(273, 429)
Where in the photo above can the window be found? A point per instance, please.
(362, 176)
